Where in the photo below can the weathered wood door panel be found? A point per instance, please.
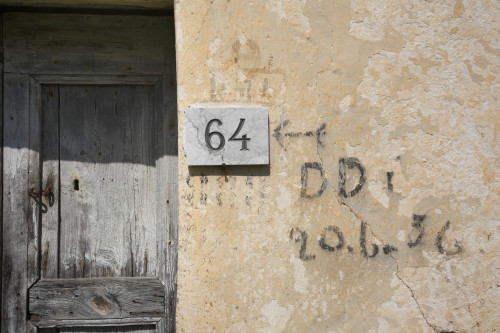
(90, 178)
(109, 180)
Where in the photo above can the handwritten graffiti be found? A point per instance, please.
(362, 243)
(345, 164)
(390, 187)
(302, 238)
(439, 241)
(340, 236)
(304, 178)
(418, 225)
(279, 136)
(350, 163)
(366, 250)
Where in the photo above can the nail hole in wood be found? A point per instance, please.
(76, 184)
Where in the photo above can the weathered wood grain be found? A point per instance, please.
(166, 166)
(100, 79)
(91, 302)
(99, 4)
(34, 183)
(49, 246)
(17, 209)
(112, 130)
(88, 44)
(108, 147)
(1, 158)
(120, 329)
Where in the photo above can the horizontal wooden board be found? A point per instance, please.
(88, 44)
(91, 302)
(156, 4)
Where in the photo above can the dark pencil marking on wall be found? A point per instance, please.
(203, 179)
(304, 178)
(203, 198)
(439, 241)
(219, 200)
(388, 248)
(350, 163)
(340, 236)
(349, 248)
(417, 224)
(389, 180)
(316, 133)
(249, 180)
(362, 243)
(302, 238)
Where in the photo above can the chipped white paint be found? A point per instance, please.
(277, 316)
(299, 274)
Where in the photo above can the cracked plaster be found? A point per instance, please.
(410, 88)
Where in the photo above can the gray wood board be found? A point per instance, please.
(62, 44)
(17, 209)
(92, 302)
(34, 183)
(107, 172)
(167, 186)
(49, 247)
(145, 226)
(1, 159)
(93, 4)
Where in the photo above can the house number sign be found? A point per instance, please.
(227, 136)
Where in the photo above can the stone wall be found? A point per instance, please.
(380, 209)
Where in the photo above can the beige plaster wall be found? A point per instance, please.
(375, 86)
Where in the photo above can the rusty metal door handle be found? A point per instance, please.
(35, 194)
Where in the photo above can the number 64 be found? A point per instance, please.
(222, 140)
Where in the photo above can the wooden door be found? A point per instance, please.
(89, 173)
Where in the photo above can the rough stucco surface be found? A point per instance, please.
(405, 93)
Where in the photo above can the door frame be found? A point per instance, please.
(29, 128)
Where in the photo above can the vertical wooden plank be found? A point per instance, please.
(1, 156)
(77, 137)
(34, 182)
(166, 166)
(144, 239)
(168, 176)
(17, 210)
(49, 244)
(107, 181)
(161, 190)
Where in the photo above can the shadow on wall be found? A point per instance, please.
(230, 170)
(98, 124)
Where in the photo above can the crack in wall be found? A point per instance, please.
(413, 296)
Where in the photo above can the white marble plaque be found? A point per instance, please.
(227, 136)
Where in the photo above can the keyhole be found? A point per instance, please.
(76, 184)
